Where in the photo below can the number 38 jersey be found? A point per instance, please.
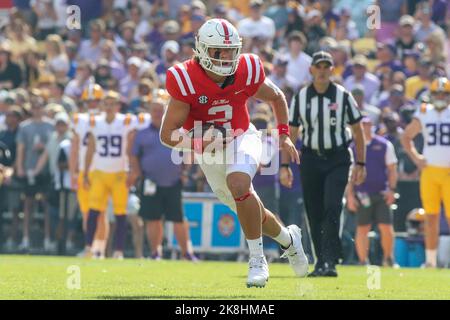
(226, 105)
(111, 142)
(436, 131)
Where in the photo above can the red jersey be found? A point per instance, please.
(188, 82)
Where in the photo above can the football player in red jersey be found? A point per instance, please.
(213, 87)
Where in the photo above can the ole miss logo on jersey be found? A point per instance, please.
(188, 82)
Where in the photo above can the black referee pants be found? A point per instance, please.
(324, 179)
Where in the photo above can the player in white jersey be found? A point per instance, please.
(91, 100)
(433, 120)
(110, 138)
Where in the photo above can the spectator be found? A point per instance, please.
(346, 22)
(131, 81)
(389, 13)
(169, 57)
(142, 25)
(112, 55)
(11, 188)
(71, 51)
(10, 73)
(314, 31)
(184, 17)
(20, 41)
(51, 155)
(383, 91)
(47, 18)
(57, 97)
(102, 73)
(173, 5)
(187, 49)
(57, 60)
(295, 21)
(127, 31)
(360, 75)
(256, 26)
(388, 62)
(144, 96)
(278, 12)
(195, 23)
(161, 186)
(162, 32)
(279, 75)
(330, 17)
(405, 39)
(299, 61)
(415, 85)
(220, 12)
(410, 62)
(435, 50)
(340, 52)
(440, 9)
(424, 25)
(91, 48)
(140, 50)
(397, 102)
(371, 201)
(367, 109)
(32, 137)
(119, 17)
(83, 77)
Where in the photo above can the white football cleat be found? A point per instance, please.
(295, 254)
(258, 272)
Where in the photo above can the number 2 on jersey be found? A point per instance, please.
(227, 117)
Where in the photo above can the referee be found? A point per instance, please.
(323, 110)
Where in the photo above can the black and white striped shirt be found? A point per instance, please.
(324, 117)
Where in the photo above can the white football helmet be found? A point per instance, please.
(218, 33)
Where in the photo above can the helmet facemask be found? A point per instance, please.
(438, 102)
(216, 65)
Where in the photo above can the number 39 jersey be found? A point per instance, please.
(436, 131)
(111, 142)
(227, 106)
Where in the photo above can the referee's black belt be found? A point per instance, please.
(324, 153)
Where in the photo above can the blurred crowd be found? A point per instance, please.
(387, 59)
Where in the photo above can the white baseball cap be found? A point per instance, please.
(171, 45)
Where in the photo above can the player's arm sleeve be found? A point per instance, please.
(175, 86)
(294, 111)
(255, 75)
(391, 158)
(352, 113)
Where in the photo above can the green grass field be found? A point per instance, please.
(38, 277)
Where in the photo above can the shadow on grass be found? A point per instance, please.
(169, 297)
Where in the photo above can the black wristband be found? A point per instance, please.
(284, 165)
(360, 163)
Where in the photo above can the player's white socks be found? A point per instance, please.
(256, 247)
(94, 245)
(431, 256)
(284, 238)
